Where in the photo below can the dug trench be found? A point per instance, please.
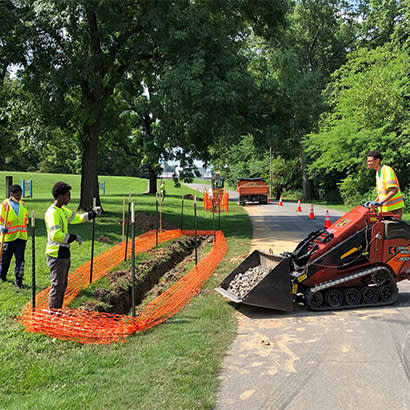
(160, 268)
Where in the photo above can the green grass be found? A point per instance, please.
(172, 366)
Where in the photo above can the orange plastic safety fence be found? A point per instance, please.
(221, 198)
(101, 328)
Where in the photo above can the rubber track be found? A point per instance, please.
(392, 300)
(103, 328)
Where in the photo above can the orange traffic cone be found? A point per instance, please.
(299, 208)
(327, 220)
(280, 202)
(311, 213)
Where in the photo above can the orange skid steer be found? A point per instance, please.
(356, 262)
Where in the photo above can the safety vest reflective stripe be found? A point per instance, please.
(57, 220)
(386, 178)
(393, 201)
(53, 243)
(16, 224)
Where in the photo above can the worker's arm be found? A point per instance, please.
(390, 194)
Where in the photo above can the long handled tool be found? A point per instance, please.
(92, 243)
(33, 259)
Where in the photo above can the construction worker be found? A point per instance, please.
(57, 219)
(389, 198)
(162, 190)
(13, 227)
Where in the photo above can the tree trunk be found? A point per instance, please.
(307, 183)
(152, 181)
(89, 168)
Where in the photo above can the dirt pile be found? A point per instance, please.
(167, 263)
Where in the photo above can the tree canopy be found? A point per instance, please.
(123, 87)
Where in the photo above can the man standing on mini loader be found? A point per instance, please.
(389, 197)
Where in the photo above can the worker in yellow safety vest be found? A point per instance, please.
(57, 219)
(13, 228)
(389, 197)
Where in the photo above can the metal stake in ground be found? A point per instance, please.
(123, 219)
(156, 219)
(92, 243)
(182, 211)
(133, 259)
(213, 215)
(219, 214)
(128, 226)
(196, 228)
(160, 213)
(33, 259)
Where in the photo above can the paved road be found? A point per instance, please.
(351, 359)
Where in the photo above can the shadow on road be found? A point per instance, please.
(254, 312)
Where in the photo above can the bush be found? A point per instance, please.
(351, 191)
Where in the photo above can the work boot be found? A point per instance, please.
(18, 284)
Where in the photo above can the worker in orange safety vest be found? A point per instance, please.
(13, 226)
(389, 197)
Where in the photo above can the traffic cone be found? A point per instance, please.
(327, 220)
(311, 213)
(299, 208)
(280, 201)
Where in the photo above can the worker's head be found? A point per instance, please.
(15, 192)
(374, 159)
(61, 192)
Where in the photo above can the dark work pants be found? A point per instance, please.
(59, 268)
(17, 248)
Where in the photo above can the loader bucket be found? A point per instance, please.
(272, 292)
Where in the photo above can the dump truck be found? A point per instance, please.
(354, 263)
(252, 190)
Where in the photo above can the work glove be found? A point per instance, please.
(78, 239)
(375, 203)
(367, 204)
(97, 210)
(3, 229)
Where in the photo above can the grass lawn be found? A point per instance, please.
(172, 366)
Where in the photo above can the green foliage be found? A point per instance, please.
(369, 100)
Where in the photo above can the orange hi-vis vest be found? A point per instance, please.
(16, 224)
(385, 180)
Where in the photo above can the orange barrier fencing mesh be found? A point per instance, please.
(220, 196)
(102, 328)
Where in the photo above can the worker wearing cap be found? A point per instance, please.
(389, 197)
(13, 225)
(57, 219)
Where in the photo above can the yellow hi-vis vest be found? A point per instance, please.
(57, 221)
(16, 224)
(385, 179)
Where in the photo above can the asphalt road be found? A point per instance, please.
(350, 359)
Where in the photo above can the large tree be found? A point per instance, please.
(82, 53)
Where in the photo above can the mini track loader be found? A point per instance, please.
(356, 262)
